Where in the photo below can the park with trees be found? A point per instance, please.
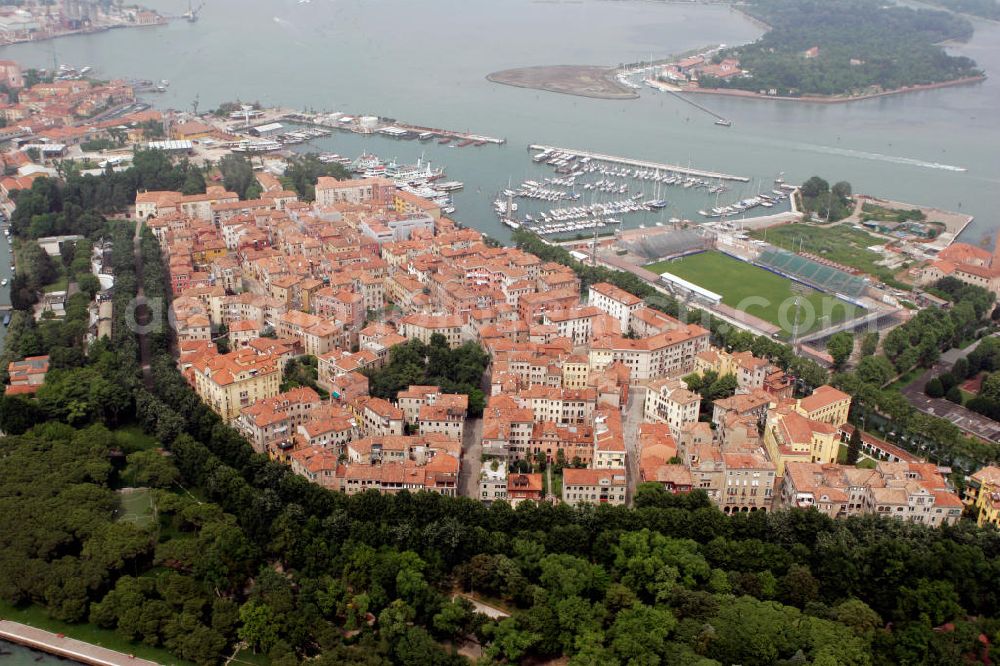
(862, 46)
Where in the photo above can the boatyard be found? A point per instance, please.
(393, 128)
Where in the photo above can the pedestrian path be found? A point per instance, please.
(70, 648)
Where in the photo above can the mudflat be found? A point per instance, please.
(583, 80)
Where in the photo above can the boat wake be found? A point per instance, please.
(861, 154)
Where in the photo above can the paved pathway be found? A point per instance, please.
(69, 648)
(472, 458)
(632, 417)
(487, 610)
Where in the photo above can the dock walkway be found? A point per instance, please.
(70, 648)
(642, 164)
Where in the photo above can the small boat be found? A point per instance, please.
(722, 122)
(3, 282)
(6, 319)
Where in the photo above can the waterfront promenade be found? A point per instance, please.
(69, 648)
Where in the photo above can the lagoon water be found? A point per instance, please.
(17, 655)
(425, 63)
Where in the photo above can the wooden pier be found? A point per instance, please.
(642, 164)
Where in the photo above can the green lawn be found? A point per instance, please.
(742, 285)
(35, 616)
(557, 485)
(59, 285)
(132, 438)
(841, 243)
(137, 506)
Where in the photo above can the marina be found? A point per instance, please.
(890, 146)
(641, 164)
(606, 193)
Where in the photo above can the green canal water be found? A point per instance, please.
(16, 655)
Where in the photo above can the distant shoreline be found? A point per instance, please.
(835, 99)
(81, 31)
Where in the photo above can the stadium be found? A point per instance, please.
(776, 286)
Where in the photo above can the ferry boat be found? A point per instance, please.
(449, 186)
(365, 162)
(407, 173)
(256, 146)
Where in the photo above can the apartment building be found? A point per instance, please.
(826, 404)
(789, 436)
(229, 382)
(423, 327)
(669, 401)
(749, 479)
(379, 417)
(271, 422)
(615, 301)
(667, 354)
(914, 492)
(377, 191)
(983, 494)
(493, 482)
(445, 416)
(593, 486)
(523, 487)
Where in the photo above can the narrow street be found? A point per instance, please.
(472, 458)
(631, 418)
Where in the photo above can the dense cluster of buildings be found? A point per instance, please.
(280, 278)
(765, 449)
(50, 119)
(33, 21)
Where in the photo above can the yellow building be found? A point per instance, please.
(790, 436)
(826, 404)
(576, 370)
(229, 382)
(983, 492)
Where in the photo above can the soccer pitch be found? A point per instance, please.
(743, 285)
(137, 506)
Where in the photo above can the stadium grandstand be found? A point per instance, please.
(666, 245)
(812, 273)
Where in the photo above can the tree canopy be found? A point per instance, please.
(862, 46)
